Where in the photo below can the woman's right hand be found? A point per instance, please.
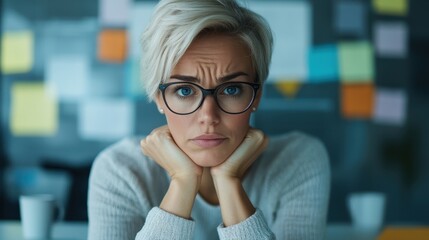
(185, 174)
(160, 147)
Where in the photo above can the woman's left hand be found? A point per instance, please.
(242, 158)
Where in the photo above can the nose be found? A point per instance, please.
(208, 113)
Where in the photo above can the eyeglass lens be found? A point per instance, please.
(184, 98)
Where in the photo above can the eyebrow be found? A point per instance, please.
(221, 79)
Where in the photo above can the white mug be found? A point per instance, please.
(37, 215)
(367, 209)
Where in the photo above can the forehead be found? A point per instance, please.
(217, 52)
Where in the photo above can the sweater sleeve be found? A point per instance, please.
(163, 225)
(253, 228)
(304, 192)
(121, 200)
(113, 211)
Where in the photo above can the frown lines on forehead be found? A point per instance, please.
(222, 79)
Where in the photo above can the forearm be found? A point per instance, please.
(180, 196)
(234, 202)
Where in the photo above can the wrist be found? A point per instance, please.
(186, 182)
(234, 202)
(226, 179)
(180, 196)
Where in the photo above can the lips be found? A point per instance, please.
(208, 140)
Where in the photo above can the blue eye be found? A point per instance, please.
(231, 90)
(184, 91)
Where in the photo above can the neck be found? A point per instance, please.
(207, 189)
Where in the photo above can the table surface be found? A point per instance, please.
(11, 230)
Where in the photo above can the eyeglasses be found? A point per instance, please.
(232, 97)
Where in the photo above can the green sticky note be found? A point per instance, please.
(391, 7)
(34, 111)
(356, 62)
(17, 52)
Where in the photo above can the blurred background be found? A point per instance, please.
(354, 73)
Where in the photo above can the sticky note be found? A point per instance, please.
(106, 81)
(140, 16)
(34, 111)
(76, 37)
(106, 119)
(134, 85)
(404, 233)
(67, 76)
(114, 12)
(14, 20)
(112, 45)
(17, 50)
(357, 100)
(350, 18)
(391, 7)
(291, 24)
(356, 62)
(390, 106)
(288, 88)
(323, 63)
(391, 39)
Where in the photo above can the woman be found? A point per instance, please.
(207, 174)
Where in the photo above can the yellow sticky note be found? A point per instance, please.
(33, 110)
(288, 88)
(17, 52)
(391, 7)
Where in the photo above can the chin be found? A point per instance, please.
(208, 158)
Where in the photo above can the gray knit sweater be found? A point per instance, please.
(288, 184)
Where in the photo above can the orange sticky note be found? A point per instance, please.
(404, 233)
(112, 45)
(357, 100)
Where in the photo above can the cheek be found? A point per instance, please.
(238, 125)
(178, 126)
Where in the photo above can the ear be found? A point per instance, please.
(159, 103)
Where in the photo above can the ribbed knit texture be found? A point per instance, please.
(161, 225)
(288, 184)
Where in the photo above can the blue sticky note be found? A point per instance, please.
(350, 18)
(323, 63)
(133, 84)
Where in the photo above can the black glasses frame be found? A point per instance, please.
(210, 91)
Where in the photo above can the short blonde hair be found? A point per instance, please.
(176, 23)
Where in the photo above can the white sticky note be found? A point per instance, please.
(390, 106)
(68, 38)
(391, 39)
(140, 16)
(291, 26)
(106, 81)
(67, 76)
(114, 12)
(106, 119)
